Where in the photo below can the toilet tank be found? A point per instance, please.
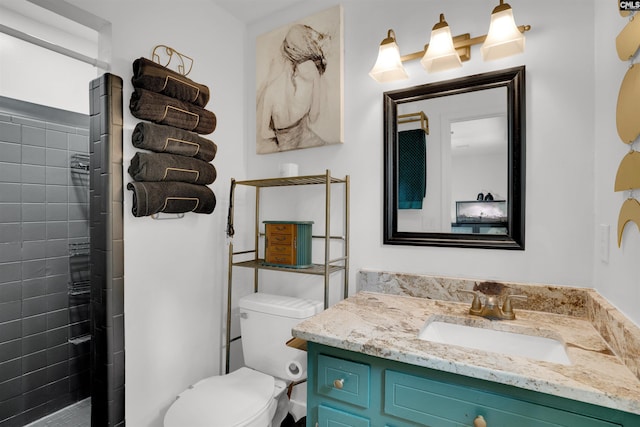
(265, 323)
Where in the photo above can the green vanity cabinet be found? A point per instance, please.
(349, 389)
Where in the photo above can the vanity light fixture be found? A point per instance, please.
(389, 66)
(504, 39)
(440, 54)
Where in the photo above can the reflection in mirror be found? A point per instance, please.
(458, 181)
(466, 155)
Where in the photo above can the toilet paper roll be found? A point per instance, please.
(288, 169)
(294, 370)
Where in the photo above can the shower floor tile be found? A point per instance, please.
(76, 415)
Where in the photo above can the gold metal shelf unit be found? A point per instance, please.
(330, 266)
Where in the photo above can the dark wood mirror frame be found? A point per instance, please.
(514, 80)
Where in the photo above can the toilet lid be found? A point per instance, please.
(226, 400)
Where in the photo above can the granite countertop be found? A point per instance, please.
(387, 326)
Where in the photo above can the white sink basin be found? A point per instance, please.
(503, 342)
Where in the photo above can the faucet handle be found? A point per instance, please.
(506, 305)
(476, 305)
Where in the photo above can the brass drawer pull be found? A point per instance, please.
(479, 422)
(338, 383)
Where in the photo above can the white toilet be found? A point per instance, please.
(249, 396)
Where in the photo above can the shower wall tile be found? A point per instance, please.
(10, 369)
(10, 192)
(57, 176)
(32, 155)
(10, 212)
(33, 174)
(33, 193)
(34, 362)
(10, 311)
(79, 229)
(11, 291)
(57, 229)
(57, 212)
(57, 194)
(34, 231)
(9, 153)
(11, 388)
(34, 323)
(107, 252)
(56, 284)
(34, 269)
(33, 136)
(10, 252)
(36, 184)
(10, 232)
(10, 272)
(10, 132)
(33, 307)
(60, 353)
(56, 139)
(9, 172)
(58, 158)
(34, 287)
(10, 350)
(60, 128)
(79, 143)
(33, 250)
(11, 330)
(29, 122)
(34, 212)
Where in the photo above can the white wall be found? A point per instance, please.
(560, 134)
(618, 279)
(175, 270)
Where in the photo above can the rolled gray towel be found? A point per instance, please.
(157, 78)
(164, 110)
(169, 139)
(156, 167)
(150, 198)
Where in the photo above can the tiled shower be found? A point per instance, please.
(44, 260)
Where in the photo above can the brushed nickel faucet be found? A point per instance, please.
(491, 308)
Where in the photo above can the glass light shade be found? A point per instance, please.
(440, 54)
(388, 66)
(504, 37)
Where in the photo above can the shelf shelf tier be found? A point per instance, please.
(294, 180)
(316, 269)
(329, 267)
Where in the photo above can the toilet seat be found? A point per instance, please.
(231, 400)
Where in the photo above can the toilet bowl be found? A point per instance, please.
(243, 398)
(252, 396)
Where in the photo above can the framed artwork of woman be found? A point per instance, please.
(299, 78)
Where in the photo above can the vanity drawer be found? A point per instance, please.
(280, 239)
(343, 380)
(328, 417)
(279, 228)
(434, 403)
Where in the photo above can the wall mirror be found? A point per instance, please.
(454, 162)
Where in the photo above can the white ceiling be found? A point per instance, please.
(252, 10)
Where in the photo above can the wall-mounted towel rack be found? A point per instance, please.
(420, 116)
(169, 52)
(162, 215)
